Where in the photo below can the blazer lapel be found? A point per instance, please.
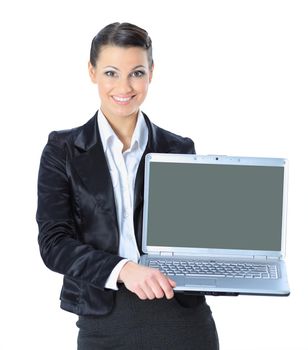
(91, 166)
(153, 146)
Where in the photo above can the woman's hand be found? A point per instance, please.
(145, 282)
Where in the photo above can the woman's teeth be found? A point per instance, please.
(122, 99)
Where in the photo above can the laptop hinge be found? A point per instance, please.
(166, 253)
(274, 258)
(260, 257)
(265, 257)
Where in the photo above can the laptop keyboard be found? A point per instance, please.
(197, 268)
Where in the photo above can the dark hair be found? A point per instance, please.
(122, 35)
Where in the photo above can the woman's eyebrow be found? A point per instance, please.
(139, 66)
(113, 67)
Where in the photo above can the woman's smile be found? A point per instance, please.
(122, 100)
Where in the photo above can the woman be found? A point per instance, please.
(90, 198)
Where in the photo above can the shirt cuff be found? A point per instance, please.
(112, 280)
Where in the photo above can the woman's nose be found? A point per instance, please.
(124, 86)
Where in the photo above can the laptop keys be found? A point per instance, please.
(198, 268)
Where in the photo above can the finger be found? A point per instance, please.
(140, 293)
(166, 286)
(172, 283)
(147, 290)
(156, 288)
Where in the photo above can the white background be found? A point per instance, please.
(232, 75)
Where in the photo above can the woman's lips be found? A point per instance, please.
(122, 100)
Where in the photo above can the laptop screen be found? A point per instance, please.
(220, 206)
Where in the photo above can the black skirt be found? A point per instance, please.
(149, 324)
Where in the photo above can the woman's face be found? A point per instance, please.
(123, 76)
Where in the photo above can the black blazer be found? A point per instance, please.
(76, 214)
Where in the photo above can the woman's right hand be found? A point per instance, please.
(145, 282)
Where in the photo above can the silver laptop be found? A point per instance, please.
(216, 224)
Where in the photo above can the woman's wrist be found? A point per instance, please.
(123, 271)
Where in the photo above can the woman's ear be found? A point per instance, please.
(92, 73)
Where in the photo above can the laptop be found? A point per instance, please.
(216, 225)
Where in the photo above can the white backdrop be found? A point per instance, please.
(232, 75)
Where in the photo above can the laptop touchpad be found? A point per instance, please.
(197, 281)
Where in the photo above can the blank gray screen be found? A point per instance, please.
(215, 206)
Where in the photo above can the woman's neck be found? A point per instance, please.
(124, 128)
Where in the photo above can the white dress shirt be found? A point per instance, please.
(123, 168)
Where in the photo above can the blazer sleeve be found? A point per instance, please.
(60, 249)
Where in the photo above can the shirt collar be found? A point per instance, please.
(107, 134)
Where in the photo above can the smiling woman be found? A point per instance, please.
(121, 64)
(123, 76)
(90, 200)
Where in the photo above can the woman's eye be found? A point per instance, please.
(110, 73)
(138, 74)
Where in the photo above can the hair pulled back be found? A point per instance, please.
(122, 35)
